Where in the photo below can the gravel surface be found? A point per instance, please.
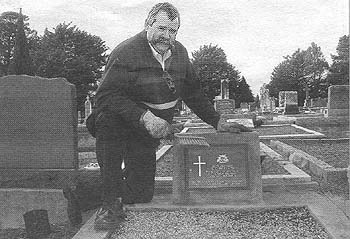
(334, 153)
(279, 223)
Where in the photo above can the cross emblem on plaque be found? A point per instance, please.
(199, 163)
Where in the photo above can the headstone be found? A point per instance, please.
(267, 103)
(222, 103)
(37, 224)
(288, 100)
(216, 168)
(38, 124)
(338, 101)
(184, 108)
(224, 106)
(244, 107)
(318, 102)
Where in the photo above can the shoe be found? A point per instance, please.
(73, 208)
(110, 216)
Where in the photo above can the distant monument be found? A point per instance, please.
(88, 107)
(288, 101)
(267, 103)
(222, 103)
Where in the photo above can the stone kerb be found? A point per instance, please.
(338, 100)
(226, 172)
(310, 163)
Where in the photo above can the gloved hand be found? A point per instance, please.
(156, 127)
(231, 127)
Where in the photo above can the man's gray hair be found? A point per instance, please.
(170, 10)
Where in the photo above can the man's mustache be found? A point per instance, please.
(163, 41)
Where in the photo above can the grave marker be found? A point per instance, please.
(222, 103)
(38, 128)
(38, 123)
(288, 100)
(207, 161)
(338, 100)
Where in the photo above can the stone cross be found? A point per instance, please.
(199, 163)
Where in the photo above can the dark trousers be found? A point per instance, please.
(134, 184)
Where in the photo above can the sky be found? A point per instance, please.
(255, 34)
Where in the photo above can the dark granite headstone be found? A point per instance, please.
(38, 123)
(207, 161)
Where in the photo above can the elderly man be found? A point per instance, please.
(144, 78)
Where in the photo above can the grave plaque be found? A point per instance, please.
(223, 166)
(207, 161)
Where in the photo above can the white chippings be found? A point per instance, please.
(291, 223)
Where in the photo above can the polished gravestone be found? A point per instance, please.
(212, 167)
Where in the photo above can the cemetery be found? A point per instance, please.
(212, 184)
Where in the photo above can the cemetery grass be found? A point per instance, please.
(334, 153)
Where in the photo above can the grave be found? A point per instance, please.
(267, 103)
(338, 101)
(38, 128)
(288, 100)
(88, 107)
(244, 107)
(217, 167)
(222, 103)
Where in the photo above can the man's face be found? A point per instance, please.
(163, 32)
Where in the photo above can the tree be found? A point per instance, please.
(302, 72)
(8, 21)
(211, 65)
(73, 54)
(21, 63)
(339, 70)
(316, 65)
(243, 93)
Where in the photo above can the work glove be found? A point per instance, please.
(156, 127)
(231, 127)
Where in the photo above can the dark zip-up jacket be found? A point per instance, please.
(133, 76)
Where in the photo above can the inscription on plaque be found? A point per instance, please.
(222, 166)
